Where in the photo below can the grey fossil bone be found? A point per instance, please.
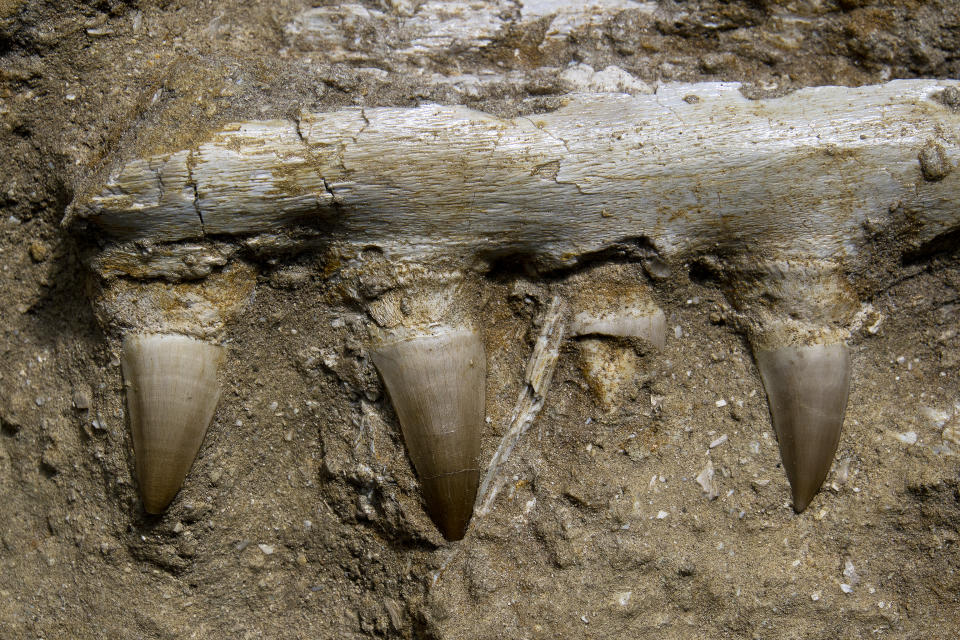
(693, 168)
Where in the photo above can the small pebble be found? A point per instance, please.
(721, 403)
(266, 548)
(846, 588)
(81, 401)
(38, 252)
(705, 480)
(719, 441)
(662, 514)
(910, 437)
(850, 573)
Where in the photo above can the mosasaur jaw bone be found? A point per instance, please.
(783, 190)
(807, 387)
(172, 393)
(436, 382)
(799, 175)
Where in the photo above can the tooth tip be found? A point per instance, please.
(801, 502)
(156, 508)
(807, 388)
(450, 501)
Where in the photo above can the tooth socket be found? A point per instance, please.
(172, 393)
(436, 383)
(807, 388)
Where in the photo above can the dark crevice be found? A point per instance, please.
(633, 249)
(945, 243)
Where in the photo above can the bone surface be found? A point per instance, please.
(172, 393)
(437, 386)
(807, 387)
(694, 168)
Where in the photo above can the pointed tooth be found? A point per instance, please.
(807, 388)
(437, 383)
(172, 393)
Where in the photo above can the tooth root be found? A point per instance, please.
(807, 388)
(437, 385)
(172, 393)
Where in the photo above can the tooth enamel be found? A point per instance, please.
(797, 315)
(807, 387)
(172, 393)
(436, 383)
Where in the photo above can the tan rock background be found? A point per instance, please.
(302, 516)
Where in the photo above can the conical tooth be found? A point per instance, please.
(807, 387)
(437, 385)
(172, 393)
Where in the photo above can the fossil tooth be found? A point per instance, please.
(807, 388)
(437, 385)
(172, 392)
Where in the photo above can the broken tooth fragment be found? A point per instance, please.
(436, 383)
(618, 317)
(807, 388)
(647, 323)
(172, 393)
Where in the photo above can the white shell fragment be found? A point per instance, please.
(172, 393)
(796, 175)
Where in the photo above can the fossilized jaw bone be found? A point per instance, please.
(693, 168)
(172, 393)
(807, 387)
(436, 383)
